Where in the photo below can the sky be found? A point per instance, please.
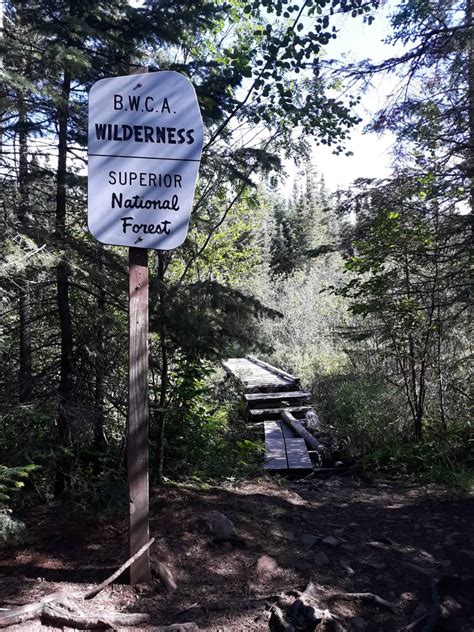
(371, 152)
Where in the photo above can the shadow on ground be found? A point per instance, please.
(387, 538)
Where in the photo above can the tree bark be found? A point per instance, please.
(164, 367)
(470, 99)
(25, 372)
(100, 440)
(63, 419)
(302, 432)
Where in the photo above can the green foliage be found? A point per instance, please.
(438, 458)
(360, 411)
(12, 531)
(12, 479)
(206, 433)
(407, 279)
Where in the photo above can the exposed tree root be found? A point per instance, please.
(363, 598)
(61, 609)
(308, 611)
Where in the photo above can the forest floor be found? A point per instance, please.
(386, 537)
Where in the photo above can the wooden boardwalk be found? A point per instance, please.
(267, 392)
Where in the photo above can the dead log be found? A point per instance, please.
(176, 627)
(302, 432)
(277, 621)
(28, 612)
(163, 572)
(20, 615)
(95, 591)
(304, 614)
(59, 617)
(64, 610)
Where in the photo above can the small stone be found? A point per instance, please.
(284, 534)
(338, 531)
(332, 541)
(359, 624)
(266, 567)
(321, 559)
(221, 527)
(451, 605)
(420, 610)
(407, 596)
(347, 567)
(309, 540)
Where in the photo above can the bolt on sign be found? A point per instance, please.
(145, 143)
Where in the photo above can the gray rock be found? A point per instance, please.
(309, 540)
(222, 528)
(266, 567)
(321, 559)
(331, 541)
(451, 605)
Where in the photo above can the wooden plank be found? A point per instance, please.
(137, 432)
(274, 413)
(254, 398)
(274, 369)
(227, 367)
(267, 388)
(256, 378)
(275, 451)
(287, 432)
(297, 454)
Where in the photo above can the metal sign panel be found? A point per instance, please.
(145, 143)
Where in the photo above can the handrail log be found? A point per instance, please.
(273, 369)
(302, 432)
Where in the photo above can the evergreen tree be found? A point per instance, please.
(59, 320)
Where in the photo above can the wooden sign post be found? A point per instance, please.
(138, 412)
(145, 143)
(137, 434)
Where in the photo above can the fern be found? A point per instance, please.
(12, 479)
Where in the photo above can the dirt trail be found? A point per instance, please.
(389, 538)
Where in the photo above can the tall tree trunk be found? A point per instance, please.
(63, 419)
(416, 403)
(25, 382)
(164, 366)
(439, 324)
(100, 440)
(470, 100)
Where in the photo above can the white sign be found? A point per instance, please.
(145, 143)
